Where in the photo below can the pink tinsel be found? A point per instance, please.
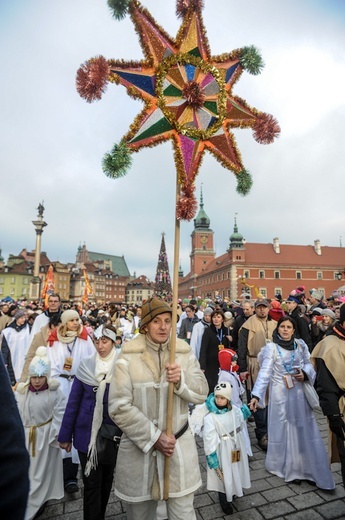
(266, 129)
(92, 78)
(187, 205)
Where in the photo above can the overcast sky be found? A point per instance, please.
(52, 141)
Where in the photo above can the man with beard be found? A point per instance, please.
(254, 335)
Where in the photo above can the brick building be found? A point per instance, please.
(139, 290)
(257, 268)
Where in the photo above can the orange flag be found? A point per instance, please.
(87, 289)
(48, 287)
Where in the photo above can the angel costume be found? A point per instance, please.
(223, 438)
(237, 391)
(295, 447)
(41, 413)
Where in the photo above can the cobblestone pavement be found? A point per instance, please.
(268, 498)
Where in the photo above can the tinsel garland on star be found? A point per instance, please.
(187, 95)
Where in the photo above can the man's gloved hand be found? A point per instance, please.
(337, 425)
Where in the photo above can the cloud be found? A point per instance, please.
(52, 141)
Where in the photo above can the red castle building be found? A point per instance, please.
(256, 268)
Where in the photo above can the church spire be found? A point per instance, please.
(162, 279)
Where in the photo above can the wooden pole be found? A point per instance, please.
(172, 341)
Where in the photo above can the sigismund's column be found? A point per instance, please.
(35, 283)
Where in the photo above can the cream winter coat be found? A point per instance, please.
(138, 405)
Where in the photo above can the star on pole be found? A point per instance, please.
(188, 99)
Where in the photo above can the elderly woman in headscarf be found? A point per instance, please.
(87, 424)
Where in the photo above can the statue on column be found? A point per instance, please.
(40, 209)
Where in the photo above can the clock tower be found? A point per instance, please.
(202, 242)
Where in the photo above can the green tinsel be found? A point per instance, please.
(251, 60)
(116, 163)
(118, 8)
(244, 182)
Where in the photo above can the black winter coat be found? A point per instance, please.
(209, 353)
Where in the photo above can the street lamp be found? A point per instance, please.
(339, 274)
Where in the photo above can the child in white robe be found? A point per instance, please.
(225, 448)
(228, 372)
(41, 405)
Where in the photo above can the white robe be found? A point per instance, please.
(46, 473)
(295, 447)
(57, 355)
(40, 321)
(196, 337)
(217, 437)
(18, 343)
(237, 391)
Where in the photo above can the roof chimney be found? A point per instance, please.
(276, 246)
(317, 246)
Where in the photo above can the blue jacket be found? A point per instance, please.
(77, 420)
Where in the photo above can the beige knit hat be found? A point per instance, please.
(68, 315)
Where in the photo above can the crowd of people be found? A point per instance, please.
(100, 388)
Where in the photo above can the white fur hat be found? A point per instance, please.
(224, 389)
(40, 365)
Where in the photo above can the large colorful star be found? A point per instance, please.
(188, 98)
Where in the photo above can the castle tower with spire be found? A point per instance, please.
(163, 287)
(237, 250)
(202, 252)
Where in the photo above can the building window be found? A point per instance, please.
(298, 275)
(263, 292)
(12, 290)
(278, 290)
(2, 279)
(261, 274)
(1, 290)
(25, 281)
(319, 275)
(238, 258)
(12, 280)
(276, 275)
(246, 274)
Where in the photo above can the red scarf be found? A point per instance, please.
(53, 336)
